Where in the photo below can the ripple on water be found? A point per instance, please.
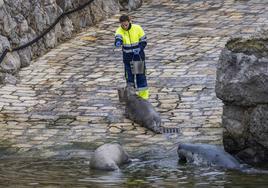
(156, 168)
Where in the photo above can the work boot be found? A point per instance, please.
(144, 94)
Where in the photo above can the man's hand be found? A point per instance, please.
(136, 51)
(118, 44)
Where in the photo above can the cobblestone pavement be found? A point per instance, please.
(67, 99)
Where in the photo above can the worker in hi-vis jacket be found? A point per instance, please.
(133, 41)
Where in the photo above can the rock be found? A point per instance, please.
(130, 4)
(10, 79)
(242, 84)
(134, 4)
(242, 79)
(1, 3)
(4, 43)
(11, 63)
(258, 124)
(2, 77)
(25, 20)
(235, 131)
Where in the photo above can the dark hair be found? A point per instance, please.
(124, 18)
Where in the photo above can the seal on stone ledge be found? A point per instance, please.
(142, 112)
(109, 157)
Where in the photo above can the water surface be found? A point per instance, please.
(156, 168)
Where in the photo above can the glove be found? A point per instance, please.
(118, 44)
(142, 45)
(136, 51)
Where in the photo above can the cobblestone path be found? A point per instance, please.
(67, 99)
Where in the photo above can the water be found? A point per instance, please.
(156, 168)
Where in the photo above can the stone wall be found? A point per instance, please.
(242, 84)
(23, 20)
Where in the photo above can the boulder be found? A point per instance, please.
(242, 76)
(242, 85)
(25, 20)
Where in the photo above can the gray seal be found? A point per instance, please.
(109, 157)
(142, 112)
(205, 154)
(211, 155)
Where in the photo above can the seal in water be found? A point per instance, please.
(142, 112)
(211, 155)
(109, 157)
(206, 154)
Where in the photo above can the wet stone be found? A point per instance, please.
(115, 129)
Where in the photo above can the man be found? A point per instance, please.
(133, 41)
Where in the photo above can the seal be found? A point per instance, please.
(211, 155)
(142, 112)
(205, 154)
(109, 157)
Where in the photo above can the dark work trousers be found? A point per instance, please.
(141, 81)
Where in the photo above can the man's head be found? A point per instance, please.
(124, 21)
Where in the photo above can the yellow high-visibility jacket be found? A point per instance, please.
(132, 38)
